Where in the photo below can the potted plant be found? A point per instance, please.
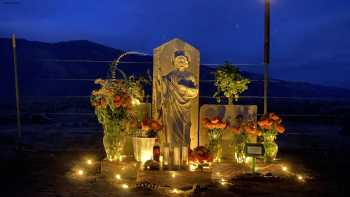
(270, 126)
(215, 128)
(229, 83)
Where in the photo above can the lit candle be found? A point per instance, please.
(184, 155)
(161, 161)
(146, 155)
(177, 159)
(80, 172)
(166, 155)
(89, 161)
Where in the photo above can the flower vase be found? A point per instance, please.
(271, 148)
(113, 145)
(239, 153)
(215, 144)
(114, 140)
(143, 148)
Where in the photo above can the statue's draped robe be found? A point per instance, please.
(178, 89)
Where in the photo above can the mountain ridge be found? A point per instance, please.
(34, 63)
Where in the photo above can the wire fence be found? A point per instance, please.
(202, 81)
(82, 118)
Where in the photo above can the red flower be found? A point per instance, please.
(236, 130)
(155, 125)
(216, 120)
(126, 101)
(145, 126)
(206, 120)
(273, 116)
(200, 154)
(280, 128)
(117, 101)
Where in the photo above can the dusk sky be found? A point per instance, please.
(310, 39)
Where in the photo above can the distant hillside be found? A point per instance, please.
(37, 61)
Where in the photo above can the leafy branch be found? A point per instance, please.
(229, 82)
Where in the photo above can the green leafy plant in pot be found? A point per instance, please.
(229, 82)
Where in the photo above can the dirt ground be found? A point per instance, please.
(28, 173)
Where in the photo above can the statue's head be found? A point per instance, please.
(181, 61)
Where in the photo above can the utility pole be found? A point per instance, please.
(266, 53)
(19, 129)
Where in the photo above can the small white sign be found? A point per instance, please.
(254, 149)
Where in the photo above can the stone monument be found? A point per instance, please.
(175, 92)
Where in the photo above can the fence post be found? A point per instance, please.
(19, 128)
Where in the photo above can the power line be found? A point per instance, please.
(211, 97)
(127, 62)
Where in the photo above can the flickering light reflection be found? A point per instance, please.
(223, 181)
(146, 155)
(80, 172)
(300, 178)
(135, 101)
(89, 162)
(193, 167)
(125, 186)
(248, 160)
(284, 168)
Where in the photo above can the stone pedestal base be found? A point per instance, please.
(174, 179)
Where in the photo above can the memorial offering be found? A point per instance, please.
(270, 126)
(145, 140)
(241, 134)
(215, 131)
(113, 107)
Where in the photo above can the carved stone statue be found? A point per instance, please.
(178, 89)
(175, 100)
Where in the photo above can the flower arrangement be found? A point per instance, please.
(270, 126)
(240, 137)
(150, 128)
(215, 131)
(113, 103)
(229, 82)
(215, 123)
(200, 154)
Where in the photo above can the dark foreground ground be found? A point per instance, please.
(48, 174)
(44, 166)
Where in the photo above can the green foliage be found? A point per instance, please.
(135, 87)
(215, 143)
(229, 82)
(113, 101)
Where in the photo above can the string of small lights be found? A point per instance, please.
(88, 163)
